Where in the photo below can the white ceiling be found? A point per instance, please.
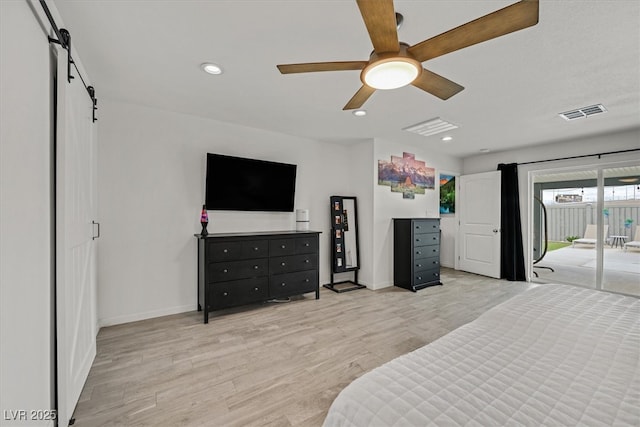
(581, 53)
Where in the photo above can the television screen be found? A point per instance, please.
(239, 184)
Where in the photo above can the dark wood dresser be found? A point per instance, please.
(244, 268)
(416, 252)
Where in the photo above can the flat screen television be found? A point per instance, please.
(239, 184)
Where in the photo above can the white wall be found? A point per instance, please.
(360, 172)
(388, 205)
(151, 186)
(617, 141)
(26, 282)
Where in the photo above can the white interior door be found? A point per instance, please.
(479, 232)
(76, 208)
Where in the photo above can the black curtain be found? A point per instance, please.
(511, 253)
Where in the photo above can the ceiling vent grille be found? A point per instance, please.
(583, 112)
(431, 127)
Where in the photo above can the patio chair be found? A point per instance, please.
(590, 235)
(635, 243)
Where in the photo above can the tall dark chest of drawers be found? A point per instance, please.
(416, 252)
(244, 268)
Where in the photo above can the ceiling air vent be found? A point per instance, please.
(583, 112)
(431, 127)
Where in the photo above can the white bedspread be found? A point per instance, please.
(555, 356)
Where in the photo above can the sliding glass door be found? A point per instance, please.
(583, 224)
(621, 214)
(564, 216)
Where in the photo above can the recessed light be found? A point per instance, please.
(447, 138)
(484, 150)
(210, 68)
(360, 113)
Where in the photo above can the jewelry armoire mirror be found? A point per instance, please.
(345, 256)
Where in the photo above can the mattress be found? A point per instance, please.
(554, 355)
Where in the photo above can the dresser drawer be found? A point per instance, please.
(426, 239)
(238, 292)
(255, 249)
(307, 245)
(224, 251)
(293, 283)
(278, 265)
(426, 264)
(422, 252)
(426, 227)
(233, 270)
(426, 276)
(278, 247)
(231, 251)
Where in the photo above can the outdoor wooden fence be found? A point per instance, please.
(572, 219)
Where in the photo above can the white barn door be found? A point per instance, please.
(76, 209)
(479, 232)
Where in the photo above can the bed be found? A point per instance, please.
(555, 355)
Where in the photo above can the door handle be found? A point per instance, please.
(98, 224)
(495, 230)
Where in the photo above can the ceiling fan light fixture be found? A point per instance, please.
(390, 74)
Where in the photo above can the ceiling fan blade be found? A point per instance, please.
(504, 21)
(321, 66)
(436, 85)
(359, 98)
(380, 19)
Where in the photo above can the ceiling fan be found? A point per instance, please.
(394, 64)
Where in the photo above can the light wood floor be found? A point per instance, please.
(275, 364)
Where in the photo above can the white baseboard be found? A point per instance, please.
(380, 286)
(146, 315)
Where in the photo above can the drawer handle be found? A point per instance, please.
(435, 238)
(255, 249)
(419, 277)
(282, 264)
(255, 267)
(283, 284)
(306, 261)
(225, 251)
(225, 271)
(306, 280)
(283, 246)
(418, 265)
(417, 226)
(435, 250)
(255, 289)
(225, 294)
(418, 252)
